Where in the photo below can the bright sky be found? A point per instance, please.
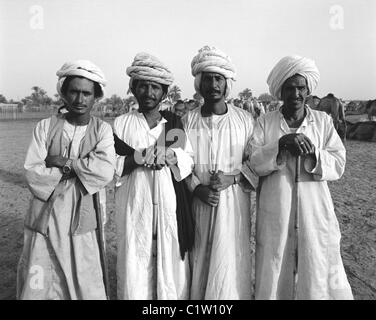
(339, 35)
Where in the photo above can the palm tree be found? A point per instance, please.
(197, 97)
(129, 101)
(265, 97)
(115, 104)
(39, 97)
(174, 94)
(245, 94)
(3, 99)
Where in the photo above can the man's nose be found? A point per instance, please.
(213, 82)
(80, 98)
(296, 92)
(149, 91)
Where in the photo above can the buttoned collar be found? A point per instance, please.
(308, 120)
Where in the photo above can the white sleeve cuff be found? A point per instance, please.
(192, 182)
(184, 165)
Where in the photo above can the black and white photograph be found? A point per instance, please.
(205, 151)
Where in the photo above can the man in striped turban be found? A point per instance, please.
(154, 226)
(298, 238)
(218, 132)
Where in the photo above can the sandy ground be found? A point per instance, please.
(353, 195)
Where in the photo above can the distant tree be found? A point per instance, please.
(3, 99)
(174, 94)
(57, 100)
(128, 102)
(26, 101)
(114, 104)
(197, 97)
(38, 98)
(265, 97)
(245, 94)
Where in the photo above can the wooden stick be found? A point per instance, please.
(296, 228)
(155, 234)
(101, 244)
(213, 209)
(213, 212)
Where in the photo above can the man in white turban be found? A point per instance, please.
(71, 158)
(211, 59)
(218, 132)
(297, 233)
(80, 68)
(289, 66)
(154, 224)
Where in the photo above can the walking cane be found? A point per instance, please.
(155, 222)
(212, 217)
(296, 228)
(101, 244)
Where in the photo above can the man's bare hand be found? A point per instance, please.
(207, 195)
(297, 144)
(170, 157)
(219, 181)
(55, 161)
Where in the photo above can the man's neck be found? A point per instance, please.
(78, 120)
(293, 117)
(152, 117)
(210, 108)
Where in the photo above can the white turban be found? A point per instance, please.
(81, 68)
(289, 66)
(147, 67)
(211, 59)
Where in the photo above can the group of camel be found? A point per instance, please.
(362, 130)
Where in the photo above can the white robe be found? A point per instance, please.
(134, 217)
(229, 274)
(62, 266)
(321, 274)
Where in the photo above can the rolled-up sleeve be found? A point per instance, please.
(41, 180)
(185, 162)
(263, 158)
(97, 168)
(331, 159)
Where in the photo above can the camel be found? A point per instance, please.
(313, 102)
(333, 106)
(365, 130)
(371, 110)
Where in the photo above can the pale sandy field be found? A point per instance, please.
(354, 198)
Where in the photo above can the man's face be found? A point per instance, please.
(294, 92)
(80, 96)
(213, 86)
(148, 94)
(180, 109)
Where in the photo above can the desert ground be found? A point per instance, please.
(354, 198)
